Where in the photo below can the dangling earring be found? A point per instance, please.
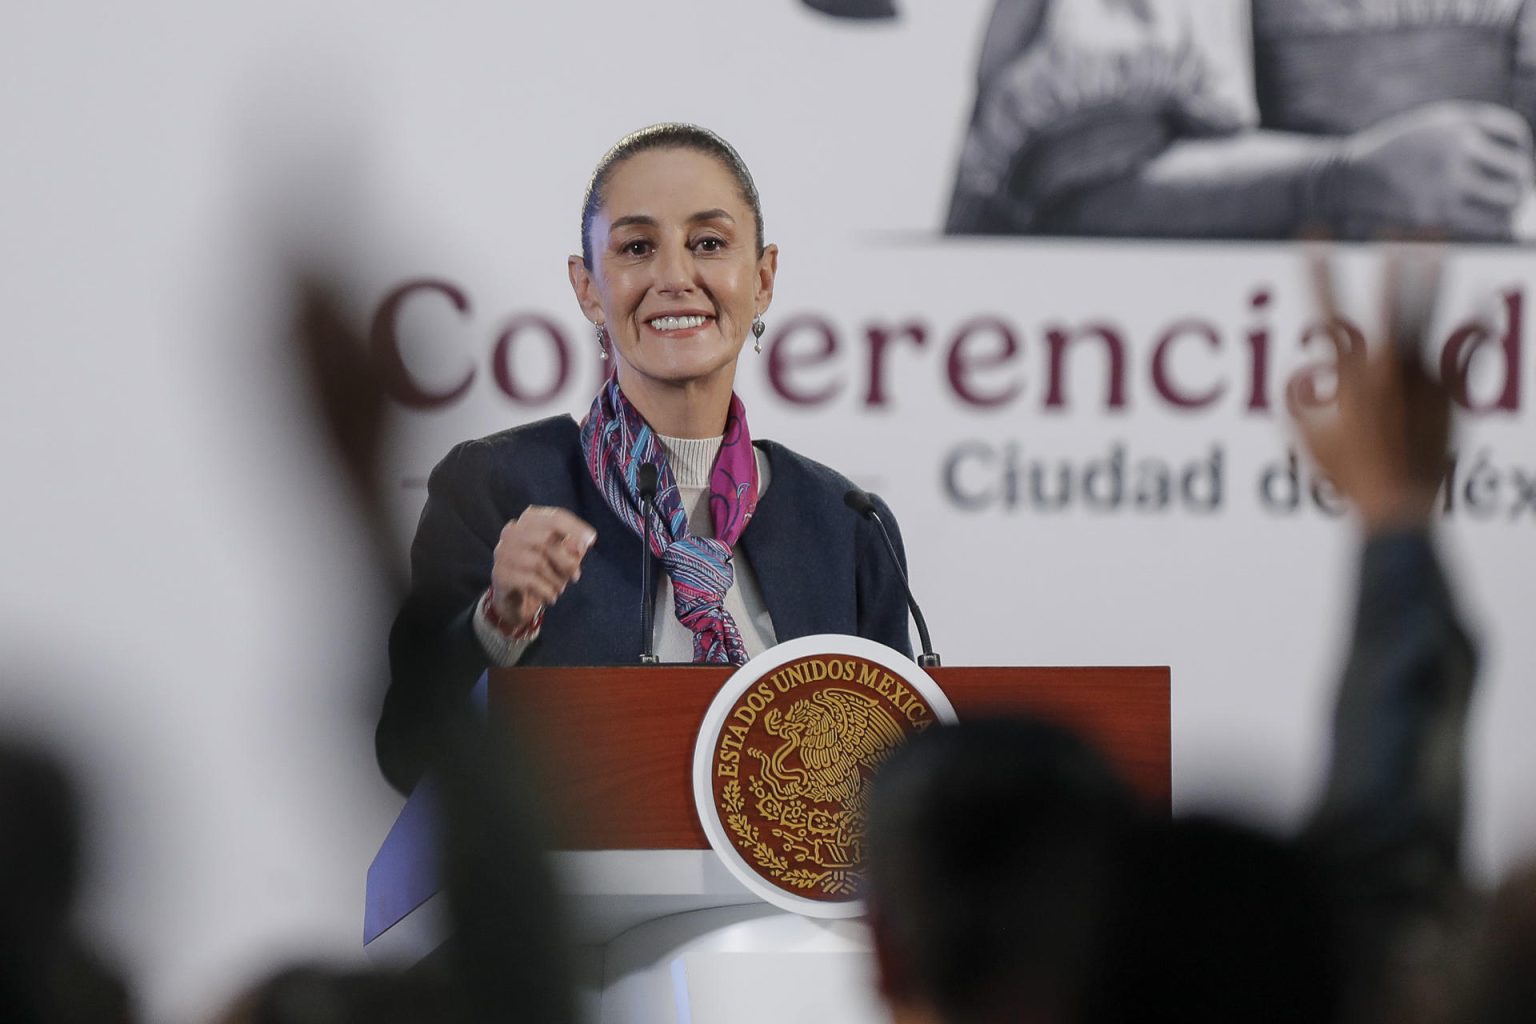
(602, 342)
(758, 327)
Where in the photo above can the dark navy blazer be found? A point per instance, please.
(819, 564)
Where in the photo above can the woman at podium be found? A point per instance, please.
(529, 548)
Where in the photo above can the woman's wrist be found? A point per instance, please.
(508, 629)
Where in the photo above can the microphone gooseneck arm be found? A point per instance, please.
(864, 505)
(647, 488)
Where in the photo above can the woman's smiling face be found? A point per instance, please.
(676, 277)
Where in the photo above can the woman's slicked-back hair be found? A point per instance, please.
(667, 135)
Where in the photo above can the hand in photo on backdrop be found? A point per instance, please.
(856, 9)
(1384, 443)
(1456, 167)
(537, 556)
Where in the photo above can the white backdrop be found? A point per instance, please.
(185, 606)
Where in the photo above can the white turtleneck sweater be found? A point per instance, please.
(692, 460)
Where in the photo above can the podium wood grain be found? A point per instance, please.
(614, 746)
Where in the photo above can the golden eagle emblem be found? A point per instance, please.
(838, 736)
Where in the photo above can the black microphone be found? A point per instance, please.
(647, 485)
(864, 505)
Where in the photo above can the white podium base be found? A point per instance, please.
(605, 893)
(737, 965)
(671, 937)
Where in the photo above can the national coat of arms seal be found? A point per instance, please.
(785, 755)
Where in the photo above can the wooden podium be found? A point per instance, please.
(616, 745)
(619, 741)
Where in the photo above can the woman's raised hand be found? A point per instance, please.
(537, 556)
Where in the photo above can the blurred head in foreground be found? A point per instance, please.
(1215, 921)
(47, 974)
(1012, 879)
(991, 851)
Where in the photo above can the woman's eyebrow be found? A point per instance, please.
(643, 220)
(635, 218)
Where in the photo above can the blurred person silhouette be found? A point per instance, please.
(48, 972)
(1388, 828)
(1505, 990)
(319, 995)
(1217, 921)
(1364, 915)
(994, 897)
(991, 846)
(1264, 119)
(506, 958)
(1011, 879)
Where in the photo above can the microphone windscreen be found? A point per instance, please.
(859, 502)
(647, 480)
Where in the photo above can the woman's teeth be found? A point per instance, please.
(676, 323)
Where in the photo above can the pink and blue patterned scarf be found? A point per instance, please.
(617, 441)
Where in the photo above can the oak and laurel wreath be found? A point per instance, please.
(747, 833)
(833, 883)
